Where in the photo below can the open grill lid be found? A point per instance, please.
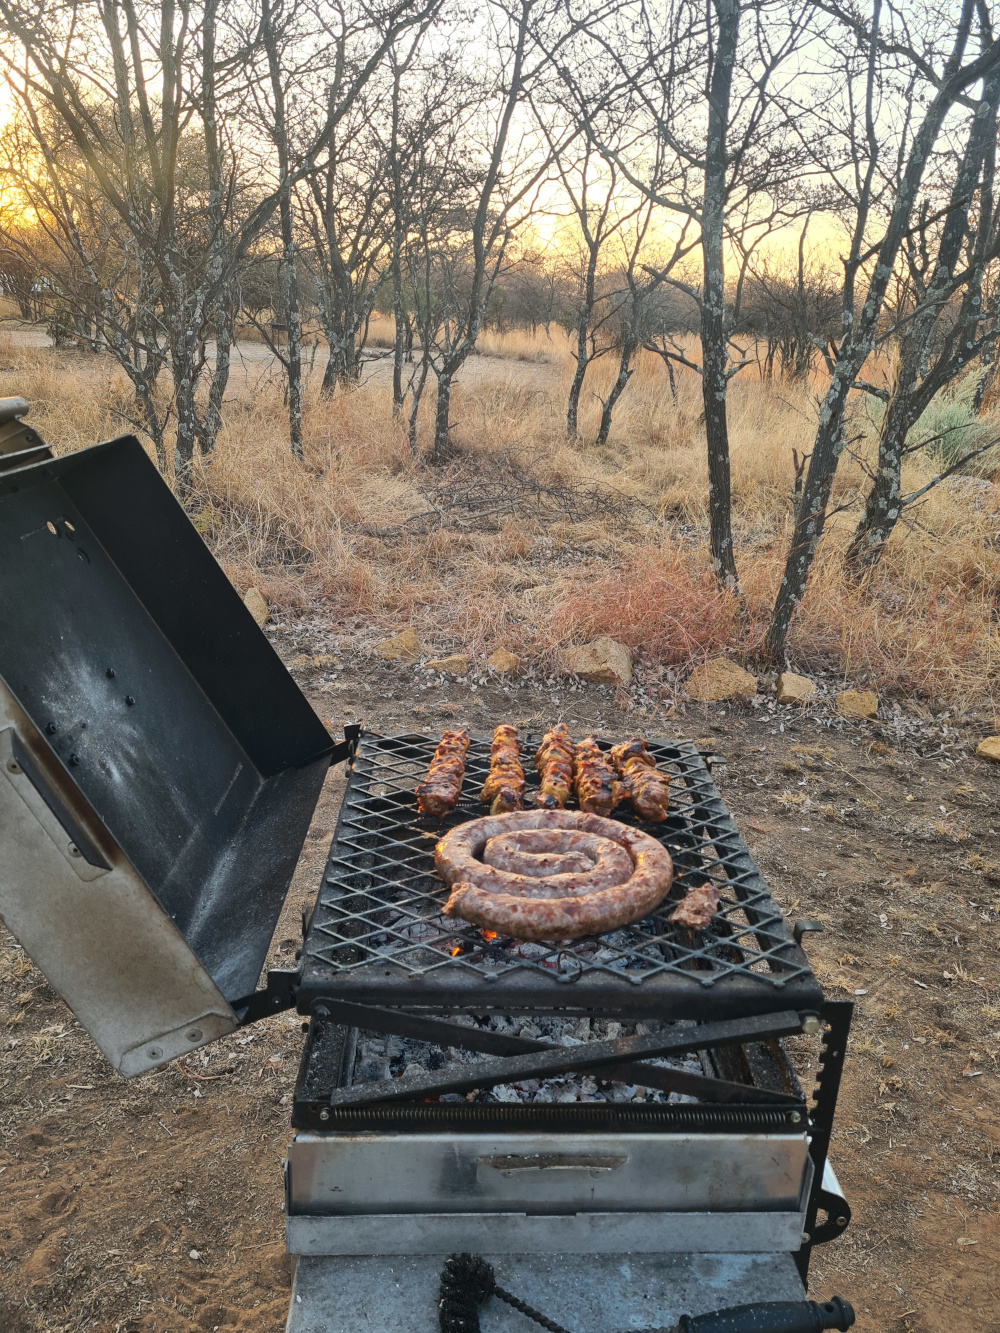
(158, 765)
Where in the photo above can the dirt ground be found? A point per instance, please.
(154, 1206)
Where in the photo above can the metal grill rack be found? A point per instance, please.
(378, 936)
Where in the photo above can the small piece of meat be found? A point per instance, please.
(645, 786)
(504, 788)
(696, 910)
(440, 790)
(597, 788)
(554, 761)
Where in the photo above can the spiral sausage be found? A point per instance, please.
(546, 853)
(554, 761)
(564, 905)
(440, 790)
(504, 788)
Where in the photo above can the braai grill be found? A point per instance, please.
(378, 936)
(409, 1164)
(158, 771)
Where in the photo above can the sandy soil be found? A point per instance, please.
(154, 1206)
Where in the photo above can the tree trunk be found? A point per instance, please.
(617, 389)
(586, 314)
(187, 421)
(294, 359)
(811, 517)
(440, 450)
(714, 354)
(573, 405)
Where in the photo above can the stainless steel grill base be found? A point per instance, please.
(336, 1175)
(623, 1292)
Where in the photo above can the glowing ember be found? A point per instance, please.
(456, 951)
(489, 934)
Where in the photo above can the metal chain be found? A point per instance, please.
(526, 1309)
(467, 1282)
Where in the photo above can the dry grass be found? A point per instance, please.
(353, 528)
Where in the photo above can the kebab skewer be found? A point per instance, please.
(554, 762)
(597, 788)
(504, 788)
(645, 786)
(440, 790)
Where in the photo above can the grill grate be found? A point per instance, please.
(378, 936)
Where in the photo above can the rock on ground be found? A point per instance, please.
(455, 665)
(402, 647)
(256, 604)
(857, 703)
(989, 749)
(720, 679)
(793, 689)
(504, 663)
(602, 662)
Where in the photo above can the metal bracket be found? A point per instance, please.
(837, 1015)
(371, 1018)
(806, 927)
(348, 747)
(546, 1061)
(279, 994)
(836, 1207)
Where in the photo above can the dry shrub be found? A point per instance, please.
(662, 600)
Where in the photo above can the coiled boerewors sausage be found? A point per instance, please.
(555, 861)
(627, 881)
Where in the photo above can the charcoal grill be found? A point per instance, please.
(378, 936)
(158, 771)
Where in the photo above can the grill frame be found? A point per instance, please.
(381, 862)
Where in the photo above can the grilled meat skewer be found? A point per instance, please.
(597, 788)
(646, 787)
(554, 761)
(440, 790)
(504, 788)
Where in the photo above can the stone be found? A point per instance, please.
(256, 604)
(793, 689)
(989, 749)
(457, 664)
(857, 703)
(402, 647)
(504, 663)
(602, 662)
(718, 680)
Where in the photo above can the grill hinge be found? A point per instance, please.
(279, 994)
(348, 747)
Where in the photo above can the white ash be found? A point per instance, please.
(382, 1057)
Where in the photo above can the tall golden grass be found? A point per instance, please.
(343, 531)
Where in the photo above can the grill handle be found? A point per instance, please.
(772, 1317)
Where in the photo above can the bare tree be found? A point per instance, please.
(700, 81)
(591, 187)
(943, 325)
(871, 263)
